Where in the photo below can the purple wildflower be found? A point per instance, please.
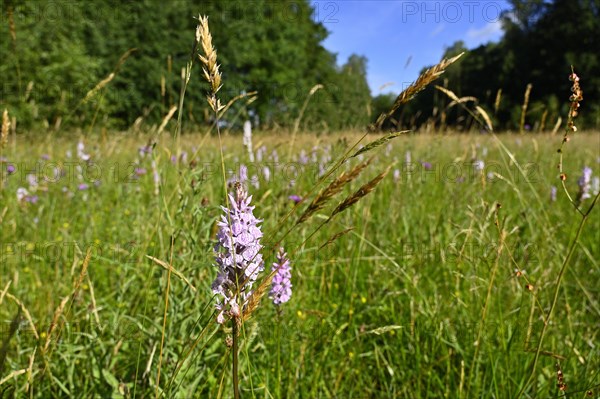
(479, 165)
(22, 193)
(82, 187)
(295, 198)
(10, 168)
(33, 182)
(260, 152)
(140, 171)
(237, 255)
(426, 165)
(584, 183)
(281, 286)
(243, 174)
(144, 150)
(553, 191)
(303, 158)
(81, 152)
(32, 199)
(266, 173)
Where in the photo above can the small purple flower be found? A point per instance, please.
(553, 191)
(266, 173)
(81, 152)
(144, 150)
(82, 187)
(303, 158)
(22, 193)
(427, 165)
(243, 174)
(255, 182)
(295, 198)
(32, 199)
(155, 174)
(396, 175)
(10, 168)
(140, 171)
(45, 157)
(237, 255)
(183, 157)
(584, 184)
(281, 286)
(479, 165)
(33, 182)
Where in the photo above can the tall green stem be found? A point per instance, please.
(236, 390)
(556, 292)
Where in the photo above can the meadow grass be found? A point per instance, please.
(439, 290)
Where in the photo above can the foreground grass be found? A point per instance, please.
(420, 299)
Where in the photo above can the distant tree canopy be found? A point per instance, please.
(542, 39)
(53, 53)
(58, 58)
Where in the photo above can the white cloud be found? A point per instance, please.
(438, 29)
(491, 31)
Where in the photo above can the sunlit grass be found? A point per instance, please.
(391, 309)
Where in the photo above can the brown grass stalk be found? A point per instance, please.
(209, 60)
(5, 128)
(166, 119)
(332, 189)
(336, 236)
(360, 193)
(524, 107)
(25, 312)
(422, 81)
(110, 76)
(497, 102)
(57, 313)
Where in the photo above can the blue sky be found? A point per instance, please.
(400, 37)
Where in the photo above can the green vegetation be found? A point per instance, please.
(61, 50)
(55, 52)
(391, 309)
(423, 265)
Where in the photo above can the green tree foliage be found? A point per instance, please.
(542, 39)
(61, 50)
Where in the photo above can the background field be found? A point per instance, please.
(394, 308)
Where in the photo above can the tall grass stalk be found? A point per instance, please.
(164, 325)
(524, 108)
(575, 99)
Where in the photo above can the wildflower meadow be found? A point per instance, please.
(164, 262)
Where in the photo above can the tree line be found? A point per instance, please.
(542, 39)
(113, 62)
(118, 64)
